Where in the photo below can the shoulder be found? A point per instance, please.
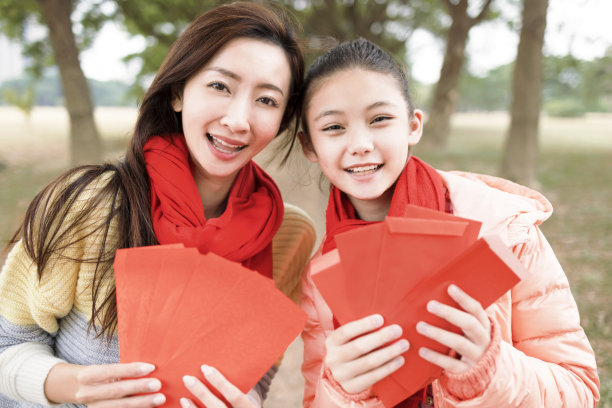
(504, 208)
(292, 247)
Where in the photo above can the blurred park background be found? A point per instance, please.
(519, 89)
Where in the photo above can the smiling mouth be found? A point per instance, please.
(363, 170)
(224, 146)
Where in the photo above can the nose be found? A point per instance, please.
(360, 142)
(236, 115)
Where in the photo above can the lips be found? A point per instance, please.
(223, 146)
(363, 170)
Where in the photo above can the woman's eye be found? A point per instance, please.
(381, 118)
(219, 86)
(268, 101)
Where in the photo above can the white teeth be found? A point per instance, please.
(224, 146)
(364, 169)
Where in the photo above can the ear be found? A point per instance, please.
(416, 127)
(307, 147)
(177, 100)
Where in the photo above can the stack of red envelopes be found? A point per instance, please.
(179, 309)
(395, 267)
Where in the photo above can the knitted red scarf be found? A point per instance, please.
(418, 184)
(243, 233)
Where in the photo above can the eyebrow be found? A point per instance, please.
(233, 75)
(337, 112)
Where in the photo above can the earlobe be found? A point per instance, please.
(307, 147)
(416, 127)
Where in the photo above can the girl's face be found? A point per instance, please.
(360, 131)
(232, 108)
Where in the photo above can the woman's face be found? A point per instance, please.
(232, 108)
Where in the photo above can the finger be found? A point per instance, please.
(349, 331)
(187, 403)
(469, 304)
(457, 342)
(468, 323)
(447, 363)
(105, 372)
(116, 390)
(372, 360)
(372, 341)
(370, 378)
(141, 401)
(202, 392)
(232, 394)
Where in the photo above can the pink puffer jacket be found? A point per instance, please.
(539, 357)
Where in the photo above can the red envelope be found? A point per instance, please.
(419, 257)
(485, 271)
(211, 311)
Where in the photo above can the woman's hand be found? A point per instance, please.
(229, 391)
(473, 322)
(104, 386)
(355, 355)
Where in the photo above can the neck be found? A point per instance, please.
(213, 192)
(373, 210)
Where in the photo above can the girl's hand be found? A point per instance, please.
(470, 346)
(104, 386)
(229, 391)
(355, 357)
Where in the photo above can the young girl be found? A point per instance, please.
(526, 350)
(227, 87)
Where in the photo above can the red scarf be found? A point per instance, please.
(418, 184)
(243, 233)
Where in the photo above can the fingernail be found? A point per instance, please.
(159, 399)
(403, 345)
(185, 403)
(396, 330)
(154, 385)
(145, 368)
(423, 352)
(377, 320)
(207, 370)
(422, 327)
(453, 290)
(433, 306)
(399, 361)
(189, 380)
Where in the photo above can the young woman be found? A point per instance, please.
(526, 350)
(227, 87)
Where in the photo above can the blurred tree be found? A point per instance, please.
(446, 93)
(62, 47)
(519, 157)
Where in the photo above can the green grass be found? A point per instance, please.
(574, 171)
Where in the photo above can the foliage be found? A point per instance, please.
(487, 93)
(48, 92)
(24, 100)
(565, 108)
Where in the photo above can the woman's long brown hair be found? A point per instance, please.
(43, 232)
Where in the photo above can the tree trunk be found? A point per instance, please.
(437, 127)
(84, 139)
(521, 148)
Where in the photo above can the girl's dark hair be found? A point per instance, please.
(358, 54)
(43, 231)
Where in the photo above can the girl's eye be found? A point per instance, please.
(266, 100)
(332, 128)
(381, 118)
(219, 86)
